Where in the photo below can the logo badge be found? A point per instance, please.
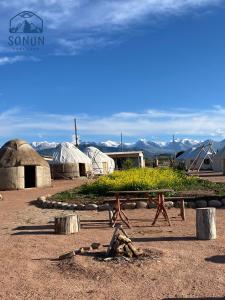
(26, 22)
(26, 32)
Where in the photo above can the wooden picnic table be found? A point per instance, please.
(159, 201)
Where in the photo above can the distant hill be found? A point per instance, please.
(150, 148)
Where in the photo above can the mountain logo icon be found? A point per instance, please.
(26, 22)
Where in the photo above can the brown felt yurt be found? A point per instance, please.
(22, 167)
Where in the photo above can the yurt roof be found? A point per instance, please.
(97, 155)
(192, 154)
(68, 153)
(16, 153)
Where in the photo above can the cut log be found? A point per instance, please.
(123, 238)
(206, 223)
(67, 224)
(118, 227)
(136, 252)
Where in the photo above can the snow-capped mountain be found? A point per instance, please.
(149, 147)
(110, 144)
(44, 145)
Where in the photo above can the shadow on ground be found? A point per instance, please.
(34, 230)
(217, 259)
(163, 239)
(193, 298)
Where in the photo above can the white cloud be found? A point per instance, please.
(78, 24)
(4, 60)
(17, 122)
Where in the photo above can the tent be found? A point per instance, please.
(69, 162)
(22, 167)
(197, 158)
(219, 161)
(102, 164)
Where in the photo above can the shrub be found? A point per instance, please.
(141, 179)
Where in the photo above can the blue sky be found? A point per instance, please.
(145, 67)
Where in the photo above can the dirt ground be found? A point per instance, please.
(187, 268)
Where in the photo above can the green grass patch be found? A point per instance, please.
(138, 180)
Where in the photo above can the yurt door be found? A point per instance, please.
(29, 176)
(82, 170)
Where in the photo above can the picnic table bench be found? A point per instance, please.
(159, 201)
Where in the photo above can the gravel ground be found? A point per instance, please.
(186, 268)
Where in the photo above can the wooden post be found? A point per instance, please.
(67, 224)
(110, 215)
(206, 223)
(182, 210)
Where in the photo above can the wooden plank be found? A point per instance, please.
(141, 192)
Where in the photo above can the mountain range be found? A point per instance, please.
(150, 148)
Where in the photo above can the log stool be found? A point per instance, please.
(67, 224)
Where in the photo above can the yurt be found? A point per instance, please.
(22, 167)
(69, 162)
(219, 161)
(199, 158)
(102, 164)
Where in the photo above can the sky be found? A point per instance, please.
(148, 68)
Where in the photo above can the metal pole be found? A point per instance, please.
(121, 142)
(174, 149)
(75, 128)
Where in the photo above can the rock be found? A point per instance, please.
(201, 203)
(73, 206)
(64, 205)
(45, 204)
(151, 205)
(49, 204)
(95, 246)
(223, 201)
(191, 204)
(80, 207)
(58, 205)
(104, 207)
(41, 198)
(141, 204)
(214, 203)
(169, 204)
(91, 206)
(54, 204)
(129, 205)
(69, 206)
(1, 197)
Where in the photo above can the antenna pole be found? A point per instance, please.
(174, 146)
(75, 129)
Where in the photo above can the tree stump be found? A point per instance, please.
(67, 224)
(206, 223)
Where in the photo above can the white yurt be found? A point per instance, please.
(102, 164)
(203, 159)
(69, 162)
(219, 161)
